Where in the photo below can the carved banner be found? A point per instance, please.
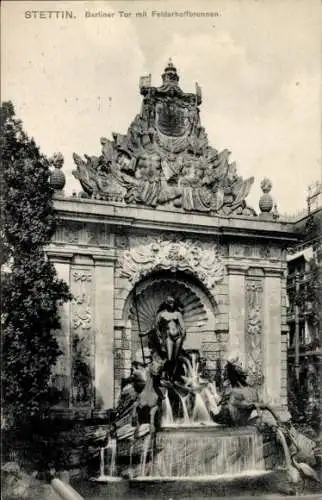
(82, 341)
(147, 254)
(254, 327)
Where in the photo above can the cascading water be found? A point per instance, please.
(108, 459)
(183, 401)
(192, 445)
(189, 453)
(146, 449)
(167, 414)
(211, 398)
(200, 412)
(204, 397)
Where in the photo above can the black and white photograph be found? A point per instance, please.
(161, 249)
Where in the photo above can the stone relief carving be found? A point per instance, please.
(82, 336)
(79, 299)
(165, 159)
(265, 251)
(254, 354)
(82, 319)
(148, 253)
(255, 251)
(97, 235)
(71, 233)
(122, 241)
(74, 233)
(236, 250)
(82, 276)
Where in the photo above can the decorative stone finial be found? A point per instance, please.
(170, 74)
(266, 201)
(57, 177)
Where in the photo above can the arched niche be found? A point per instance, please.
(146, 296)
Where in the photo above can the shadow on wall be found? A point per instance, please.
(82, 378)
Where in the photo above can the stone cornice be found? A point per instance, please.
(117, 214)
(233, 269)
(104, 260)
(251, 271)
(61, 256)
(64, 253)
(272, 272)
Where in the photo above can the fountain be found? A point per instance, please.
(172, 424)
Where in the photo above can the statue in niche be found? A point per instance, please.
(171, 329)
(165, 341)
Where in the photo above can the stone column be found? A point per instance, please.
(236, 286)
(272, 345)
(104, 332)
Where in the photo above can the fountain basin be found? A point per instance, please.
(197, 462)
(253, 483)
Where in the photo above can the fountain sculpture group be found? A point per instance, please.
(172, 421)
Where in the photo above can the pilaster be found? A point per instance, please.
(104, 332)
(272, 337)
(236, 286)
(82, 285)
(254, 327)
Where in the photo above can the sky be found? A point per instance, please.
(258, 63)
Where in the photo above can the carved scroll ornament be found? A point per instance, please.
(149, 254)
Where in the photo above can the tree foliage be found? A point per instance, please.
(31, 290)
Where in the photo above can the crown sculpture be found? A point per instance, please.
(165, 159)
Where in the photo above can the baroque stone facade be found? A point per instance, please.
(232, 298)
